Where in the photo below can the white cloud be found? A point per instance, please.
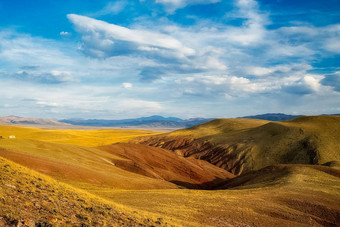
(259, 71)
(307, 84)
(172, 5)
(312, 81)
(103, 35)
(169, 66)
(19, 50)
(333, 45)
(63, 33)
(127, 85)
(111, 8)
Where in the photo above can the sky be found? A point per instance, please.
(182, 58)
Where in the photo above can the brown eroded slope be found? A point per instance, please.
(242, 145)
(163, 164)
(75, 164)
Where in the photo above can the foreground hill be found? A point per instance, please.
(28, 198)
(76, 164)
(242, 145)
(280, 195)
(121, 166)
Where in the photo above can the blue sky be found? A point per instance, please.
(183, 58)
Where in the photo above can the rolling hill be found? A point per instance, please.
(242, 145)
(280, 195)
(57, 153)
(270, 175)
(28, 198)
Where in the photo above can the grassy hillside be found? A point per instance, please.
(76, 164)
(88, 183)
(90, 138)
(283, 195)
(30, 198)
(120, 166)
(242, 145)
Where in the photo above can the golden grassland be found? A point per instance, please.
(76, 163)
(284, 195)
(32, 198)
(87, 187)
(89, 138)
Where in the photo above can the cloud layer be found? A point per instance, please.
(171, 60)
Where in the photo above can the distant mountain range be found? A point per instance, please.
(15, 120)
(155, 121)
(273, 117)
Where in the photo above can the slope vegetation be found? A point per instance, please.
(28, 198)
(280, 195)
(242, 145)
(145, 180)
(90, 138)
(76, 164)
(120, 166)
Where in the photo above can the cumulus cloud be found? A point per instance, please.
(307, 85)
(332, 80)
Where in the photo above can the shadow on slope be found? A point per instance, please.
(280, 195)
(163, 164)
(243, 145)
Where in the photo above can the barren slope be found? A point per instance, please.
(163, 164)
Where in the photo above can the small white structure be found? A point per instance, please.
(11, 137)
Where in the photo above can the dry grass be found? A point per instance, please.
(280, 195)
(34, 199)
(242, 145)
(76, 163)
(299, 195)
(89, 138)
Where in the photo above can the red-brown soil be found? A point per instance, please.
(164, 164)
